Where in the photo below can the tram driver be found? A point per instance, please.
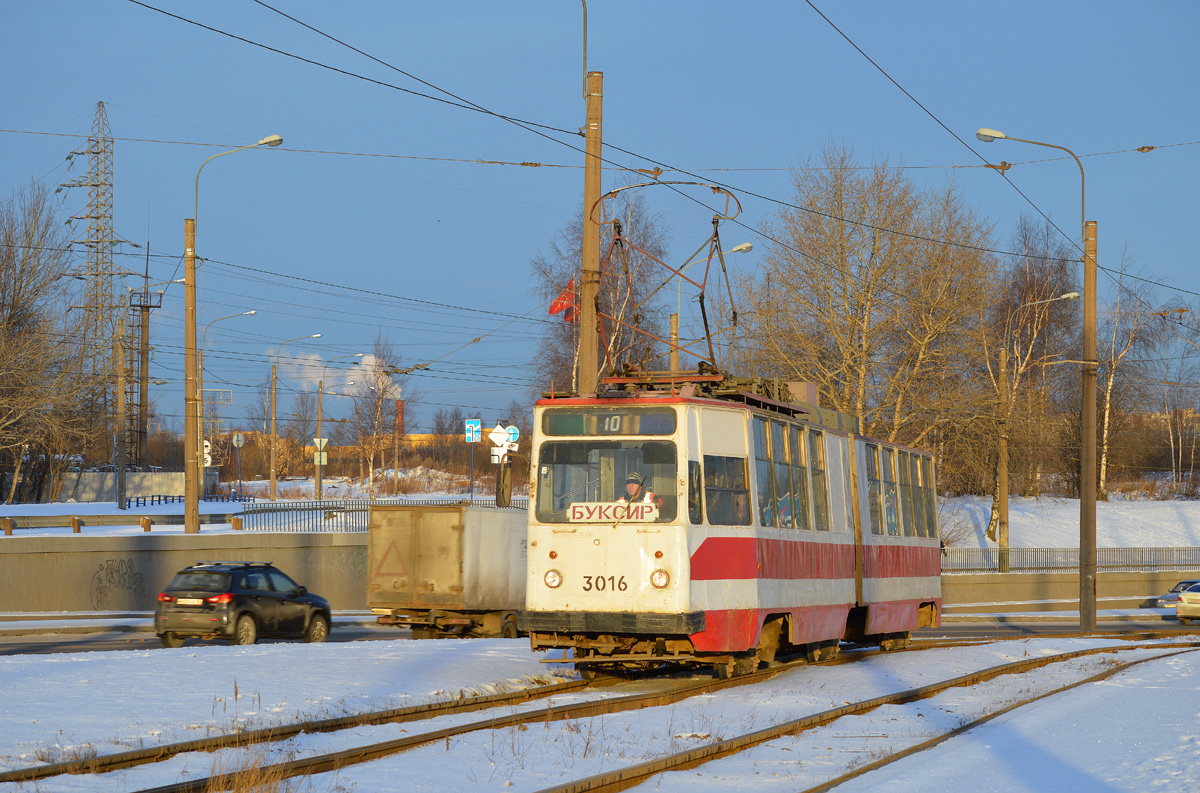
(635, 490)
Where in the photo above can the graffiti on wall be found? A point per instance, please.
(354, 561)
(117, 584)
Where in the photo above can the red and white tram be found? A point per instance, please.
(666, 526)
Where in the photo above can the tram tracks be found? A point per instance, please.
(672, 692)
(624, 778)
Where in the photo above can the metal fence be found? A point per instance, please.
(1066, 560)
(340, 515)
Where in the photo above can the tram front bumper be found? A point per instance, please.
(614, 622)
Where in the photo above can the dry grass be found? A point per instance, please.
(252, 772)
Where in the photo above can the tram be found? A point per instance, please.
(714, 522)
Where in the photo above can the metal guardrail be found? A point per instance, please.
(339, 515)
(1066, 560)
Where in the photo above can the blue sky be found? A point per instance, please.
(754, 88)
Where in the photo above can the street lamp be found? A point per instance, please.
(191, 397)
(1002, 466)
(200, 376)
(274, 437)
(1087, 424)
(320, 393)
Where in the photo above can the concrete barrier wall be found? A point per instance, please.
(81, 573)
(963, 594)
(126, 573)
(94, 486)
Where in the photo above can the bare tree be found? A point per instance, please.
(1131, 326)
(41, 342)
(872, 291)
(379, 382)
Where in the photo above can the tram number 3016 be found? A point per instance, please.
(601, 583)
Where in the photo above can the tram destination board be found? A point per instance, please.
(609, 421)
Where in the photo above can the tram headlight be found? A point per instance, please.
(660, 579)
(553, 579)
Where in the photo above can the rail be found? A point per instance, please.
(339, 515)
(980, 561)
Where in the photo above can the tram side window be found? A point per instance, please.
(820, 490)
(918, 495)
(762, 474)
(799, 479)
(906, 495)
(891, 505)
(726, 499)
(929, 488)
(694, 488)
(874, 488)
(783, 480)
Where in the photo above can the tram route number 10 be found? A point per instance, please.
(601, 583)
(611, 424)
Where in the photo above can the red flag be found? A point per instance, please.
(565, 302)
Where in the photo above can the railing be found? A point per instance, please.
(1066, 560)
(340, 515)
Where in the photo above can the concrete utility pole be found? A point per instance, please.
(1002, 468)
(191, 397)
(589, 286)
(273, 436)
(1087, 447)
(121, 439)
(1087, 410)
(191, 415)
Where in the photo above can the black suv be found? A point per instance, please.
(238, 601)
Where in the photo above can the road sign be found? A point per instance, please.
(514, 434)
(320, 458)
(474, 430)
(320, 443)
(207, 446)
(498, 436)
(239, 440)
(512, 446)
(207, 459)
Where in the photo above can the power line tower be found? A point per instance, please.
(102, 306)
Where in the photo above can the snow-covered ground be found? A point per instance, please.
(1136, 731)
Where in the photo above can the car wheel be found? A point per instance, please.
(246, 631)
(1185, 621)
(508, 630)
(318, 629)
(171, 640)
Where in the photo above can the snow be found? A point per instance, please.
(1134, 731)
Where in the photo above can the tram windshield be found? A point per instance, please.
(595, 481)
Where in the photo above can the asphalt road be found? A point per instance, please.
(43, 643)
(108, 641)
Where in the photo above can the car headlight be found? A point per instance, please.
(553, 579)
(660, 579)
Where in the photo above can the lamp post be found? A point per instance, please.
(200, 379)
(191, 398)
(1087, 424)
(320, 393)
(1002, 465)
(274, 373)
